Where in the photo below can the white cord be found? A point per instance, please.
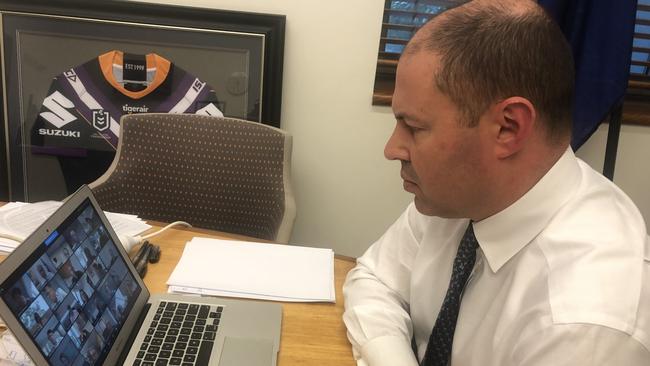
(165, 228)
(127, 241)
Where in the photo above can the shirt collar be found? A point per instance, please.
(502, 235)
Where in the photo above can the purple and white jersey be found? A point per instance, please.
(85, 103)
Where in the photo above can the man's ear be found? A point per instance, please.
(514, 120)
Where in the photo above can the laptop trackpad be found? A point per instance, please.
(246, 351)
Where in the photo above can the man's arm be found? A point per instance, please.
(377, 293)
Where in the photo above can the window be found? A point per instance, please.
(636, 109)
(402, 18)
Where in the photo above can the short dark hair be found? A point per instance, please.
(489, 52)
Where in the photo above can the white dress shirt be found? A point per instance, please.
(562, 277)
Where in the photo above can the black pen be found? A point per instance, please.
(141, 263)
(136, 258)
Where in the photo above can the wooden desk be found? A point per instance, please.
(312, 333)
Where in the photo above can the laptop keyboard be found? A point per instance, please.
(180, 334)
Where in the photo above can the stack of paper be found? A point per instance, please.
(11, 352)
(254, 270)
(19, 219)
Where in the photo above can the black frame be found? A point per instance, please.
(270, 26)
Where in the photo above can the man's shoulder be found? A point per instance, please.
(598, 215)
(597, 192)
(597, 257)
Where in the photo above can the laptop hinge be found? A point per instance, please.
(134, 333)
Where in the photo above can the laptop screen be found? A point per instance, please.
(73, 294)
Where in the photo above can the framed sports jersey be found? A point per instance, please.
(72, 68)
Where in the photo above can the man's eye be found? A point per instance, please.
(409, 126)
(414, 128)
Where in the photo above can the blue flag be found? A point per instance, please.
(600, 34)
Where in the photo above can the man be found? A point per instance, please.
(108, 328)
(44, 272)
(19, 299)
(38, 319)
(53, 339)
(64, 359)
(71, 314)
(69, 274)
(54, 293)
(483, 104)
(92, 354)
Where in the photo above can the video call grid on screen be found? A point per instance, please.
(73, 294)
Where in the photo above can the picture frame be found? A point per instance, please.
(238, 54)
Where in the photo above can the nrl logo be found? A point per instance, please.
(101, 119)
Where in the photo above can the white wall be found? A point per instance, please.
(347, 194)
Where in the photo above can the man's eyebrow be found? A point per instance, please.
(408, 117)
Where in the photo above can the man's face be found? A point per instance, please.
(66, 270)
(441, 158)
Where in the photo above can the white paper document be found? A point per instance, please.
(255, 270)
(12, 353)
(20, 219)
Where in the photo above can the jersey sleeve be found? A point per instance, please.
(65, 125)
(207, 102)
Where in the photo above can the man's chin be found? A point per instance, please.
(427, 209)
(423, 207)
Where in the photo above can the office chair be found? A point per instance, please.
(216, 173)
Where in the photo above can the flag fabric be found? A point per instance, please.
(600, 34)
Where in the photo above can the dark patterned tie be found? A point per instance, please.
(439, 348)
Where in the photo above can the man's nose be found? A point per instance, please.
(395, 148)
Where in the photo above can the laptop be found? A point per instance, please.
(71, 296)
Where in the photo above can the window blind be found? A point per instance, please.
(636, 108)
(402, 18)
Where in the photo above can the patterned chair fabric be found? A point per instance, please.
(216, 173)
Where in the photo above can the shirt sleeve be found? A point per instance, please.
(377, 293)
(579, 344)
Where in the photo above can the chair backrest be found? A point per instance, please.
(216, 173)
